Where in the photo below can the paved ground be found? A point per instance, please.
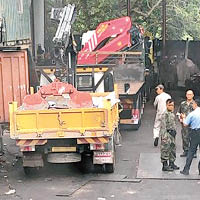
(66, 182)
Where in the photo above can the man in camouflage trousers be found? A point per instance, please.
(168, 134)
(184, 109)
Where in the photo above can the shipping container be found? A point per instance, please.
(16, 19)
(14, 80)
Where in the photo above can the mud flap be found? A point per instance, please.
(105, 157)
(100, 157)
(32, 160)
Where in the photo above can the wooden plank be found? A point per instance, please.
(134, 86)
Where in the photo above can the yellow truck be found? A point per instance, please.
(84, 135)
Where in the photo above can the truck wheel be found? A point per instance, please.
(137, 126)
(29, 170)
(109, 168)
(87, 165)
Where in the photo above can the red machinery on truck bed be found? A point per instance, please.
(109, 36)
(119, 43)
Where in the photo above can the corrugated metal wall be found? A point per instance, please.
(14, 80)
(17, 18)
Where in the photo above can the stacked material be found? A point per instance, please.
(57, 95)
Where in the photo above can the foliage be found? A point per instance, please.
(187, 18)
(91, 12)
(183, 16)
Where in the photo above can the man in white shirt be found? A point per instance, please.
(160, 104)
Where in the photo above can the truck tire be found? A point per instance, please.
(29, 171)
(109, 168)
(137, 126)
(86, 165)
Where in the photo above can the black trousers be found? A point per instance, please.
(194, 142)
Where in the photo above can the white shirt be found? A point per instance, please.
(160, 102)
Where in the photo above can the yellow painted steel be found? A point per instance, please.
(63, 149)
(90, 140)
(63, 123)
(49, 71)
(31, 90)
(100, 94)
(126, 121)
(102, 140)
(60, 119)
(116, 90)
(60, 134)
(151, 54)
(31, 143)
(90, 70)
(12, 110)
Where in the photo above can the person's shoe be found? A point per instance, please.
(166, 167)
(173, 166)
(184, 154)
(184, 172)
(195, 155)
(156, 142)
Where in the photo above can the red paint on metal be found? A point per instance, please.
(81, 100)
(34, 101)
(56, 88)
(118, 28)
(14, 81)
(135, 114)
(83, 141)
(77, 99)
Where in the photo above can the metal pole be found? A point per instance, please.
(45, 21)
(164, 27)
(33, 30)
(128, 8)
(1, 139)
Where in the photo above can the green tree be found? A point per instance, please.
(183, 16)
(91, 12)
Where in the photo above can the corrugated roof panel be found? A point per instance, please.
(17, 20)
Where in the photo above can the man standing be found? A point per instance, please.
(192, 120)
(160, 104)
(168, 135)
(184, 109)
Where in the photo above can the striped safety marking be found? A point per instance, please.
(30, 142)
(92, 42)
(93, 140)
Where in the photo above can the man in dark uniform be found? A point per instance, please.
(184, 109)
(193, 121)
(168, 134)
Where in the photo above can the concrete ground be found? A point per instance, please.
(66, 182)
